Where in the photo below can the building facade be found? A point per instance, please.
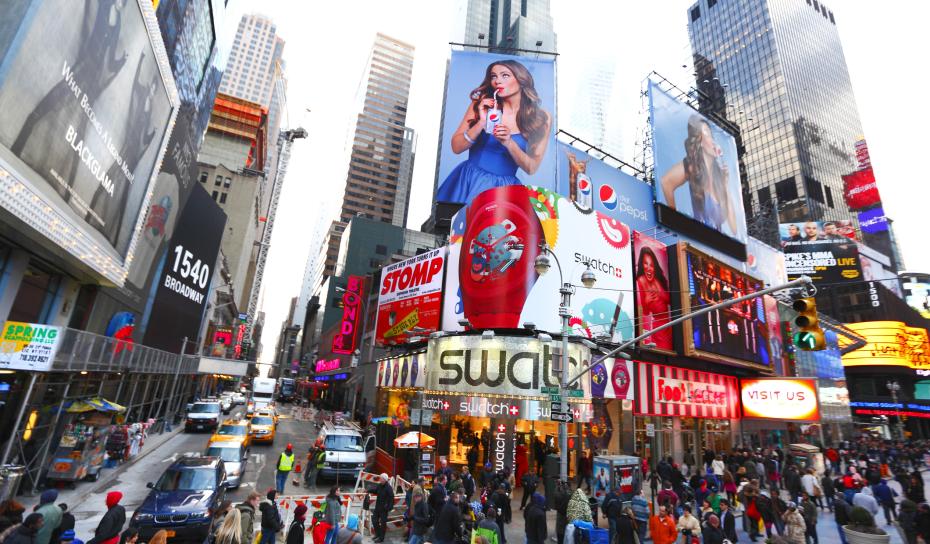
(504, 24)
(253, 60)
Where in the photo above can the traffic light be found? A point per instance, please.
(809, 336)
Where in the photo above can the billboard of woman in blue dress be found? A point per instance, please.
(498, 110)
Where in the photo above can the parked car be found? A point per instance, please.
(226, 403)
(238, 399)
(203, 416)
(182, 500)
(345, 450)
(235, 457)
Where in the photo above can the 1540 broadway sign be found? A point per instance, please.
(513, 366)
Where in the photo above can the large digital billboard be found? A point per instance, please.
(593, 185)
(860, 189)
(696, 166)
(783, 399)
(824, 250)
(492, 281)
(85, 122)
(180, 296)
(889, 343)
(499, 125)
(653, 294)
(917, 292)
(410, 298)
(736, 334)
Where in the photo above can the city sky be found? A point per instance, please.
(328, 44)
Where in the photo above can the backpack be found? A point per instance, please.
(486, 533)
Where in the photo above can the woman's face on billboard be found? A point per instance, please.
(502, 78)
(707, 140)
(649, 267)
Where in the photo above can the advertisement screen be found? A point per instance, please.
(499, 125)
(737, 334)
(696, 166)
(873, 221)
(186, 270)
(653, 296)
(593, 185)
(860, 189)
(410, 298)
(492, 281)
(889, 343)
(824, 250)
(85, 121)
(792, 399)
(917, 292)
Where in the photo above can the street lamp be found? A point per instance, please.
(588, 279)
(894, 387)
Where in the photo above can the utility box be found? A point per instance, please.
(622, 472)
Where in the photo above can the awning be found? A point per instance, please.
(93, 404)
(414, 439)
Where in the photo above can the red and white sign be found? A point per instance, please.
(410, 299)
(347, 336)
(860, 189)
(671, 391)
(240, 335)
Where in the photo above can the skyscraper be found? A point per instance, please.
(775, 68)
(380, 163)
(509, 24)
(253, 60)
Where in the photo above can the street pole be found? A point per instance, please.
(565, 314)
(19, 419)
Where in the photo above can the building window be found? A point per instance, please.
(711, 3)
(203, 177)
(765, 197)
(814, 188)
(786, 190)
(374, 263)
(816, 5)
(216, 194)
(219, 181)
(832, 20)
(829, 196)
(222, 198)
(381, 250)
(227, 182)
(695, 13)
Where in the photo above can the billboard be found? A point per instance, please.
(346, 338)
(593, 185)
(672, 391)
(917, 292)
(653, 296)
(860, 190)
(612, 379)
(873, 221)
(499, 125)
(889, 343)
(783, 399)
(696, 166)
(186, 271)
(85, 122)
(492, 281)
(766, 263)
(737, 334)
(824, 250)
(410, 298)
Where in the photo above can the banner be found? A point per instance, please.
(696, 166)
(653, 298)
(186, 274)
(612, 379)
(592, 185)
(737, 334)
(492, 281)
(671, 391)
(499, 125)
(85, 110)
(410, 298)
(889, 343)
(824, 250)
(28, 346)
(403, 371)
(782, 399)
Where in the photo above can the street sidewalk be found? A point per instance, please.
(82, 490)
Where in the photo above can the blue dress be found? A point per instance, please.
(489, 165)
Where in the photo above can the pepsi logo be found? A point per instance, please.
(608, 197)
(614, 232)
(493, 116)
(584, 184)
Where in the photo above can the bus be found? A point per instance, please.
(286, 389)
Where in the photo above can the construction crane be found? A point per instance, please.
(285, 139)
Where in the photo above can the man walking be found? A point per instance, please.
(448, 528)
(613, 508)
(384, 503)
(285, 465)
(51, 516)
(530, 481)
(727, 521)
(272, 524)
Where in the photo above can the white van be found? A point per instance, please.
(346, 450)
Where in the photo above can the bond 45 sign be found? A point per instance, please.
(346, 337)
(410, 297)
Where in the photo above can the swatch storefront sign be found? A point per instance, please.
(671, 391)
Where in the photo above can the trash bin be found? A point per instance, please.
(10, 477)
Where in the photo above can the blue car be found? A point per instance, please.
(182, 500)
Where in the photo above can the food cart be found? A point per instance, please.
(806, 456)
(622, 472)
(81, 450)
(422, 462)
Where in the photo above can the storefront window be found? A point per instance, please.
(717, 435)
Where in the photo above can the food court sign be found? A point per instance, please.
(791, 399)
(28, 346)
(889, 343)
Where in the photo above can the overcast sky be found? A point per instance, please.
(886, 46)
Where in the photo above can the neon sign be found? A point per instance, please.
(324, 365)
(345, 339)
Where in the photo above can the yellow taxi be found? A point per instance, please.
(234, 431)
(264, 424)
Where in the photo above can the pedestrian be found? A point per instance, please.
(668, 497)
(129, 536)
(285, 465)
(841, 512)
(67, 523)
(448, 527)
(584, 470)
(907, 519)
(793, 483)
(310, 473)
(421, 519)
(560, 502)
(160, 537)
(25, 532)
(811, 486)
(11, 513)
(68, 537)
(247, 510)
(688, 525)
(500, 500)
(472, 457)
(865, 499)
(230, 531)
(535, 517)
(384, 503)
(826, 484)
(51, 516)
(923, 522)
(662, 527)
(219, 515)
(885, 497)
(529, 482)
(712, 532)
(640, 506)
(809, 513)
(438, 495)
(111, 524)
(766, 511)
(488, 527)
(333, 515)
(468, 483)
(727, 521)
(795, 528)
(613, 509)
(627, 527)
(272, 524)
(295, 533)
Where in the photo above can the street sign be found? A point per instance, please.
(574, 393)
(559, 407)
(555, 398)
(243, 317)
(564, 417)
(549, 390)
